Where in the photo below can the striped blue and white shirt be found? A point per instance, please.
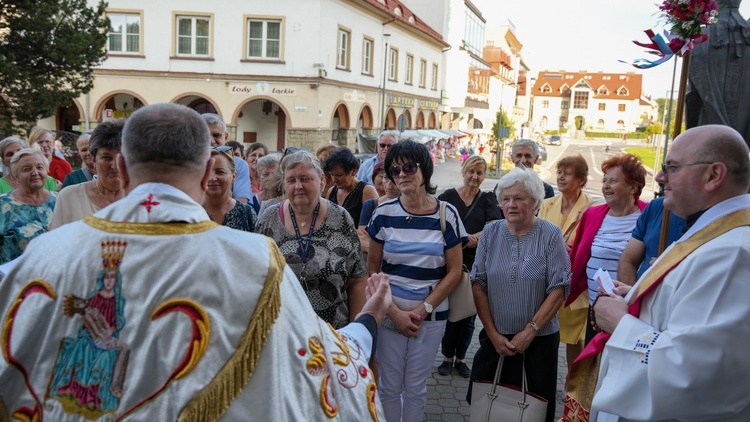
(414, 249)
(518, 274)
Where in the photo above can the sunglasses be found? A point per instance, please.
(409, 169)
(292, 150)
(385, 146)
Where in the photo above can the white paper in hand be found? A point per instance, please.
(605, 281)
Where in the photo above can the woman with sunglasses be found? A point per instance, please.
(218, 201)
(424, 264)
(255, 152)
(318, 240)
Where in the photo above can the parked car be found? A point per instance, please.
(554, 140)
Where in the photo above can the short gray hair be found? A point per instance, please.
(10, 140)
(526, 143)
(269, 160)
(213, 118)
(22, 153)
(301, 157)
(393, 134)
(166, 134)
(85, 137)
(530, 181)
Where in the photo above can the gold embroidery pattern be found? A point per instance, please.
(211, 403)
(372, 391)
(340, 358)
(35, 286)
(149, 229)
(201, 328)
(327, 401)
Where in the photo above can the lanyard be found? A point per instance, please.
(304, 249)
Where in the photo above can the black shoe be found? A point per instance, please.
(445, 367)
(463, 369)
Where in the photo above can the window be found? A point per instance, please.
(602, 90)
(434, 76)
(546, 88)
(423, 73)
(600, 124)
(623, 91)
(124, 34)
(620, 125)
(344, 48)
(409, 69)
(393, 67)
(263, 38)
(580, 99)
(563, 121)
(620, 107)
(193, 36)
(545, 104)
(367, 48)
(565, 104)
(602, 107)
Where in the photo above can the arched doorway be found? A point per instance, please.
(339, 125)
(543, 123)
(580, 122)
(478, 124)
(420, 120)
(118, 105)
(390, 119)
(432, 121)
(262, 120)
(407, 114)
(197, 102)
(68, 118)
(365, 119)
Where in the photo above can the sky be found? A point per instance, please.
(587, 35)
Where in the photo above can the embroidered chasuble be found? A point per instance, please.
(680, 354)
(148, 310)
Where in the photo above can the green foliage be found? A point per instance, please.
(501, 119)
(47, 51)
(654, 129)
(631, 135)
(556, 132)
(646, 154)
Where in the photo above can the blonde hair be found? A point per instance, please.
(22, 153)
(36, 133)
(471, 162)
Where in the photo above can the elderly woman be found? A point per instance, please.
(347, 190)
(255, 152)
(58, 167)
(476, 209)
(88, 169)
(270, 179)
(79, 201)
(604, 230)
(521, 273)
(565, 211)
(8, 147)
(218, 201)
(318, 240)
(424, 264)
(27, 210)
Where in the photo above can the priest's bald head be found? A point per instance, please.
(166, 143)
(706, 165)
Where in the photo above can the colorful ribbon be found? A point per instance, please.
(665, 46)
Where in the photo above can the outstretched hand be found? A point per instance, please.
(378, 293)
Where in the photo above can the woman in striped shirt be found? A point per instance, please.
(521, 273)
(424, 264)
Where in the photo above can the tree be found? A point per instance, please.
(47, 51)
(501, 119)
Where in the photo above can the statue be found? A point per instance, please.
(719, 81)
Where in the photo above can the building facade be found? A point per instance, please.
(590, 101)
(284, 73)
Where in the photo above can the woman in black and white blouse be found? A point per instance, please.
(521, 275)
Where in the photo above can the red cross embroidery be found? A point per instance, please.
(149, 203)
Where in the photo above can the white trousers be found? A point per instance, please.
(404, 365)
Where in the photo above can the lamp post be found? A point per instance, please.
(385, 72)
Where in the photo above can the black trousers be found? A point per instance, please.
(541, 367)
(457, 337)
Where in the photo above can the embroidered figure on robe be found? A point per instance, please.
(90, 368)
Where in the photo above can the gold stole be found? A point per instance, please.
(585, 371)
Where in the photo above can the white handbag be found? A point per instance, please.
(494, 402)
(461, 300)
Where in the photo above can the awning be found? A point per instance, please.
(452, 132)
(433, 134)
(481, 131)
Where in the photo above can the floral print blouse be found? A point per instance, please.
(20, 223)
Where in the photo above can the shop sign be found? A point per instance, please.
(263, 88)
(427, 105)
(354, 96)
(400, 101)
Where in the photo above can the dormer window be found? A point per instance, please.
(546, 88)
(602, 90)
(397, 11)
(565, 88)
(623, 91)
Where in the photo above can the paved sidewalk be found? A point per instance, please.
(446, 394)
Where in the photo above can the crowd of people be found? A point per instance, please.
(334, 276)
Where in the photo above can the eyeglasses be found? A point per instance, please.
(385, 146)
(217, 135)
(668, 169)
(409, 169)
(292, 150)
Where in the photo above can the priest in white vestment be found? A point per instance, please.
(148, 310)
(684, 356)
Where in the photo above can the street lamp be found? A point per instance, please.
(385, 72)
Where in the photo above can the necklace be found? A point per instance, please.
(99, 189)
(304, 248)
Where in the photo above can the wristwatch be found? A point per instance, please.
(535, 326)
(427, 307)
